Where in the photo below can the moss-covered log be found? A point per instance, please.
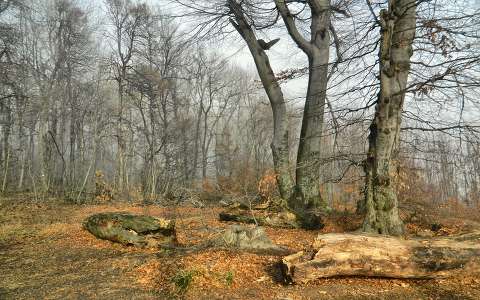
(129, 229)
(382, 256)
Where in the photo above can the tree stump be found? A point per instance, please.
(129, 229)
(384, 256)
(247, 239)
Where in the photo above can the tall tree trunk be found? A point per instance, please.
(193, 172)
(310, 146)
(205, 140)
(121, 143)
(6, 130)
(397, 34)
(23, 153)
(183, 141)
(45, 145)
(31, 153)
(280, 142)
(73, 134)
(152, 146)
(205, 147)
(307, 196)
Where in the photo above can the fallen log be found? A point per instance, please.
(273, 213)
(384, 256)
(272, 219)
(129, 229)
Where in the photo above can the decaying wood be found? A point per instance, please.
(248, 239)
(383, 256)
(273, 213)
(138, 230)
(283, 219)
(238, 238)
(129, 229)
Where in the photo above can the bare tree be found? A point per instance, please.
(127, 20)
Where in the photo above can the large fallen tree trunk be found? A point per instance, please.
(129, 229)
(383, 256)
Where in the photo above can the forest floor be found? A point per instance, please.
(45, 254)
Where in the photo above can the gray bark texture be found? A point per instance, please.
(280, 143)
(303, 196)
(307, 194)
(397, 34)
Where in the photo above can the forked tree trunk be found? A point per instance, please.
(397, 33)
(384, 256)
(307, 197)
(310, 146)
(303, 197)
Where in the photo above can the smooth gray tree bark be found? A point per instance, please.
(280, 142)
(304, 196)
(310, 146)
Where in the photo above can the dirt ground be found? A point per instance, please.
(45, 254)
